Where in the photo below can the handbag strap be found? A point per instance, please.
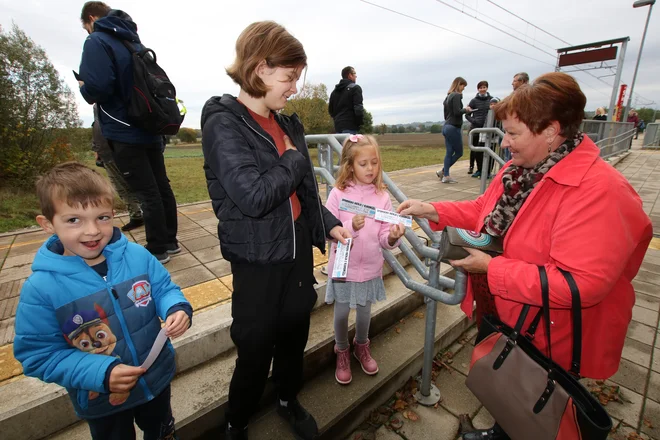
(576, 309)
(576, 317)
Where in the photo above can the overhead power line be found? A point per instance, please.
(454, 32)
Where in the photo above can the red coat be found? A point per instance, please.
(583, 217)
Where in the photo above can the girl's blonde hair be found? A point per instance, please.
(352, 144)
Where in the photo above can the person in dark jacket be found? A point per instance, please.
(452, 128)
(104, 159)
(480, 105)
(261, 182)
(106, 79)
(345, 105)
(601, 114)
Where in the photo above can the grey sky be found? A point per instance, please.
(403, 66)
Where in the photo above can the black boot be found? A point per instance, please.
(302, 422)
(236, 434)
(494, 433)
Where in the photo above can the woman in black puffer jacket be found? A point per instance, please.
(480, 105)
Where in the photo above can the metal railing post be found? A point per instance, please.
(429, 394)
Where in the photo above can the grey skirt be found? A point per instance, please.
(355, 293)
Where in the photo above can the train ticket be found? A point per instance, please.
(357, 208)
(393, 217)
(340, 268)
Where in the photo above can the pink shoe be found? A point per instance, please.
(343, 370)
(363, 354)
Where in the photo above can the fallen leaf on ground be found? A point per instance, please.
(648, 423)
(410, 415)
(397, 329)
(418, 315)
(399, 405)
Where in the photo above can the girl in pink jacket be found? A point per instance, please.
(360, 179)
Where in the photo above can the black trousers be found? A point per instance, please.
(271, 307)
(479, 155)
(154, 418)
(143, 167)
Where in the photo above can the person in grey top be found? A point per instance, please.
(452, 128)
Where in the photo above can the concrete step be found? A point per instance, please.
(30, 399)
(199, 395)
(340, 409)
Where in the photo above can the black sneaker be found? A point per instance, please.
(232, 433)
(173, 248)
(163, 258)
(302, 423)
(133, 224)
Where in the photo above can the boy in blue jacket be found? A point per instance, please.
(89, 313)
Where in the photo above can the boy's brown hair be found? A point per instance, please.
(93, 9)
(75, 184)
(264, 41)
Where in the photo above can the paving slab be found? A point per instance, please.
(191, 276)
(631, 375)
(637, 352)
(433, 423)
(455, 396)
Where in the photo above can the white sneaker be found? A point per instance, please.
(448, 179)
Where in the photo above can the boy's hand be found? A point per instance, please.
(396, 232)
(288, 144)
(176, 324)
(124, 377)
(358, 222)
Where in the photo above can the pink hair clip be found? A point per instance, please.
(355, 137)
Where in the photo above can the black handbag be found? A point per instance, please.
(528, 394)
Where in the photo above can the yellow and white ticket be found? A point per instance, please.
(393, 217)
(340, 269)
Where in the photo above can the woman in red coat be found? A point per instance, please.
(556, 204)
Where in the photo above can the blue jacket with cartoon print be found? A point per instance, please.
(72, 325)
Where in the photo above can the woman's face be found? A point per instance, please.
(281, 83)
(461, 87)
(527, 149)
(482, 90)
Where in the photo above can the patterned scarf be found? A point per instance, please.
(519, 183)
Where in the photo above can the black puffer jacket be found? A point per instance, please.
(480, 106)
(250, 184)
(345, 106)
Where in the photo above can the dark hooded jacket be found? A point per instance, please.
(250, 184)
(346, 107)
(480, 106)
(106, 68)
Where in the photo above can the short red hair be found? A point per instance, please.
(553, 96)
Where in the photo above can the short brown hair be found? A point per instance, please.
(551, 97)
(348, 70)
(523, 77)
(75, 184)
(482, 83)
(264, 41)
(93, 9)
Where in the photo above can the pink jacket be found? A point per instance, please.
(583, 217)
(366, 258)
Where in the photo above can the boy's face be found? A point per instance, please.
(83, 232)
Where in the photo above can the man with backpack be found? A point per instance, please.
(106, 78)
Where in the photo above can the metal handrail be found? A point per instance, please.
(327, 145)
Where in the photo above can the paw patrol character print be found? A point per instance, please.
(140, 293)
(89, 331)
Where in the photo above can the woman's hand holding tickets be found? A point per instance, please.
(396, 232)
(124, 377)
(418, 208)
(358, 222)
(340, 234)
(176, 324)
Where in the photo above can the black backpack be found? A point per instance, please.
(152, 105)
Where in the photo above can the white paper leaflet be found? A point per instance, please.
(357, 208)
(340, 268)
(160, 341)
(393, 217)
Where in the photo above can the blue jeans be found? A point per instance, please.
(453, 145)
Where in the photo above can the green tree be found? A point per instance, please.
(188, 135)
(311, 105)
(37, 111)
(367, 126)
(382, 129)
(436, 128)
(646, 114)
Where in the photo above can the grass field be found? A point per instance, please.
(184, 169)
